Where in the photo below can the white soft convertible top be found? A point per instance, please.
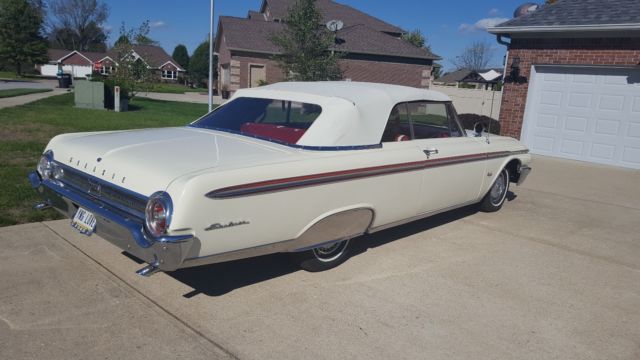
(353, 113)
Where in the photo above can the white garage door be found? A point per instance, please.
(590, 114)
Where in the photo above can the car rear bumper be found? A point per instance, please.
(127, 232)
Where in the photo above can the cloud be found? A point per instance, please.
(494, 12)
(157, 24)
(106, 27)
(481, 24)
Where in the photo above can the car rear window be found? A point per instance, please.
(282, 121)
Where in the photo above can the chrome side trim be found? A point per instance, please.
(116, 226)
(335, 227)
(283, 184)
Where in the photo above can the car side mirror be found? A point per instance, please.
(478, 129)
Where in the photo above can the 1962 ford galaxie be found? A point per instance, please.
(289, 167)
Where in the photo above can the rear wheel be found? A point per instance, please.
(494, 199)
(323, 257)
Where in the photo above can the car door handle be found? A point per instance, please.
(430, 151)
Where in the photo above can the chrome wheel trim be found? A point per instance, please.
(499, 189)
(330, 252)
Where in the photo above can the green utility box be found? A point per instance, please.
(89, 94)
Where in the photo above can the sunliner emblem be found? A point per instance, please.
(218, 226)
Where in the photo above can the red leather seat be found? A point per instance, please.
(275, 132)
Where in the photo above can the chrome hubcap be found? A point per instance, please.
(499, 189)
(331, 251)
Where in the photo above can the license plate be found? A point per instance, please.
(84, 222)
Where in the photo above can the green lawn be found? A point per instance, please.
(11, 75)
(25, 131)
(19, 92)
(173, 88)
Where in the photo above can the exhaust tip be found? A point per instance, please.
(148, 270)
(42, 205)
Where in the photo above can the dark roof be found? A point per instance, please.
(253, 35)
(362, 39)
(57, 54)
(332, 10)
(155, 56)
(255, 15)
(580, 13)
(249, 35)
(454, 77)
(463, 75)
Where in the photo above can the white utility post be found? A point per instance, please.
(210, 84)
(116, 98)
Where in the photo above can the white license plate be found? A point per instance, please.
(84, 221)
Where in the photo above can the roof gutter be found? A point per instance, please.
(562, 28)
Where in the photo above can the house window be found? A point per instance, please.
(106, 70)
(169, 74)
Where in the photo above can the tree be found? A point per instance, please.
(138, 36)
(199, 64)
(416, 39)
(142, 36)
(475, 57)
(78, 24)
(305, 44)
(132, 74)
(181, 55)
(21, 40)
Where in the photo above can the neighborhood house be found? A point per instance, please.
(572, 87)
(82, 63)
(374, 50)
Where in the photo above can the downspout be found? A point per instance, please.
(506, 59)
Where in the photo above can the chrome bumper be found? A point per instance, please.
(524, 171)
(123, 230)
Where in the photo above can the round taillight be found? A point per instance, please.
(158, 213)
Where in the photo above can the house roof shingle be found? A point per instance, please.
(578, 13)
(332, 10)
(253, 35)
(155, 56)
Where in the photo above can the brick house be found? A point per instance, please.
(374, 49)
(83, 63)
(574, 87)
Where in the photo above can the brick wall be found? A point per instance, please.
(386, 72)
(274, 74)
(611, 51)
(416, 75)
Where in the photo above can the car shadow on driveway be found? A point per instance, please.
(222, 278)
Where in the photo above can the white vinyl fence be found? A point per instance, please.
(473, 101)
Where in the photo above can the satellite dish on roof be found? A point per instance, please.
(525, 9)
(335, 25)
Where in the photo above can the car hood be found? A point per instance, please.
(146, 161)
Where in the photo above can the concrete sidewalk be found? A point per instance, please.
(25, 99)
(554, 275)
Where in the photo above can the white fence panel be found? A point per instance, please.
(473, 101)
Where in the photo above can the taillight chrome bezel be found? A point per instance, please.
(151, 224)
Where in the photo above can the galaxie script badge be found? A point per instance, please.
(218, 226)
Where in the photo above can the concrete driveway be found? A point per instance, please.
(554, 275)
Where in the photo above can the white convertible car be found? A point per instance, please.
(289, 167)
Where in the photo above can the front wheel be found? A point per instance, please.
(494, 199)
(323, 257)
